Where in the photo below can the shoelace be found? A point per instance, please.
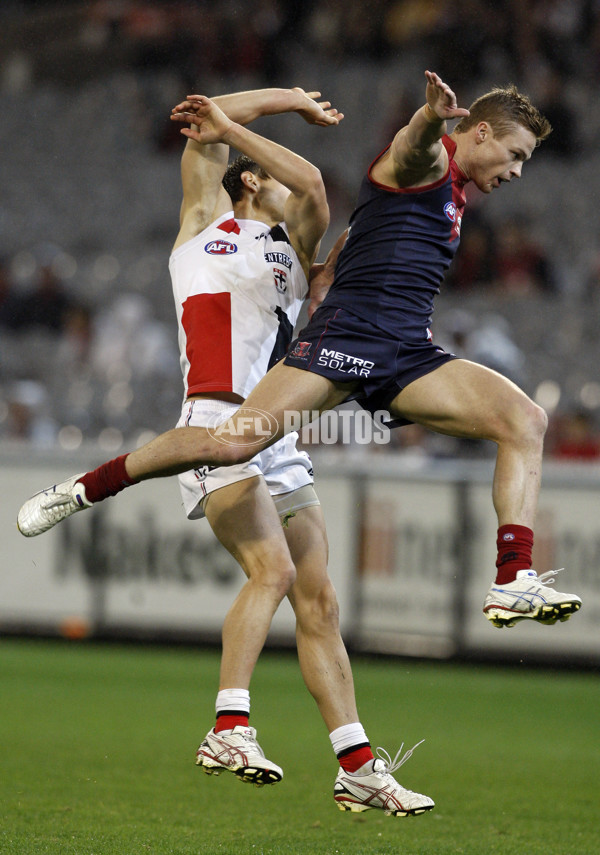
(392, 765)
(57, 500)
(251, 738)
(545, 578)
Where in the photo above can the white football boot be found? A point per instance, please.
(237, 751)
(529, 597)
(374, 787)
(51, 506)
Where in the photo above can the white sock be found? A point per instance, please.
(348, 736)
(232, 701)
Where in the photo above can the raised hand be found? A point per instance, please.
(441, 99)
(210, 120)
(317, 112)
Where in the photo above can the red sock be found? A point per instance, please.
(354, 758)
(229, 721)
(515, 543)
(107, 480)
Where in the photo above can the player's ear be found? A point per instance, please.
(482, 131)
(249, 180)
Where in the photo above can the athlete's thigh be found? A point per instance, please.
(460, 398)
(306, 538)
(243, 517)
(287, 390)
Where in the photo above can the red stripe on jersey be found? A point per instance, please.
(206, 321)
(230, 226)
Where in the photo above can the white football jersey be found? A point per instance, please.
(238, 288)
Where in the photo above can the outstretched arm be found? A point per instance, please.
(306, 212)
(203, 165)
(416, 155)
(245, 107)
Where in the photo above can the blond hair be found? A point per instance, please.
(503, 108)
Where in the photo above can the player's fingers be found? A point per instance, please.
(183, 112)
(330, 120)
(188, 118)
(193, 119)
(185, 106)
(193, 135)
(196, 102)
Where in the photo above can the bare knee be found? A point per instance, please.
(523, 423)
(319, 613)
(533, 422)
(275, 577)
(541, 421)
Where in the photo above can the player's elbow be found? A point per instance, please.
(314, 186)
(319, 206)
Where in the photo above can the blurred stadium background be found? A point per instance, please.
(89, 200)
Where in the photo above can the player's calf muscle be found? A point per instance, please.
(181, 449)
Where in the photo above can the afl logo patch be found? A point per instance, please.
(220, 247)
(450, 211)
(508, 537)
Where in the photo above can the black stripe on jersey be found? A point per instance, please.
(285, 333)
(277, 233)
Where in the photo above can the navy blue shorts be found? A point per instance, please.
(342, 347)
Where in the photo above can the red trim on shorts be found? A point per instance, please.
(189, 415)
(323, 334)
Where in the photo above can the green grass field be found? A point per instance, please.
(98, 744)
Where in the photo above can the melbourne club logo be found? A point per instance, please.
(301, 350)
(220, 247)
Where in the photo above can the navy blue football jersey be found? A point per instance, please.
(399, 246)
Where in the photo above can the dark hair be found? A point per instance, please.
(503, 108)
(232, 181)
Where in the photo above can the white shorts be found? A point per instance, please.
(283, 467)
